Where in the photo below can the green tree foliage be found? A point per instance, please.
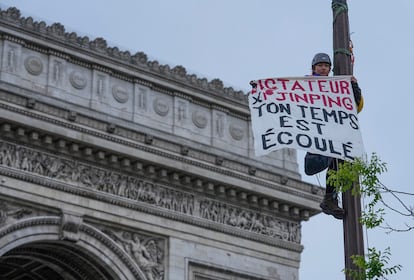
(373, 266)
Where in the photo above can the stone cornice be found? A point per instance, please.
(56, 34)
(145, 142)
(105, 157)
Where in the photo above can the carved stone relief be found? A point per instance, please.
(147, 251)
(142, 98)
(57, 72)
(236, 132)
(77, 80)
(33, 65)
(12, 53)
(182, 110)
(145, 191)
(100, 46)
(100, 85)
(199, 119)
(10, 213)
(220, 124)
(96, 257)
(161, 106)
(69, 228)
(120, 93)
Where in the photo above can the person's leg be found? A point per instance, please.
(329, 204)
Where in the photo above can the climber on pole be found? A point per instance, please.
(321, 66)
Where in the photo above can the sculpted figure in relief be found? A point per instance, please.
(133, 188)
(8, 213)
(146, 251)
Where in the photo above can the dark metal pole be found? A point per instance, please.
(353, 234)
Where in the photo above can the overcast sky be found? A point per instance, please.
(239, 40)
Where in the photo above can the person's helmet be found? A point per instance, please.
(321, 57)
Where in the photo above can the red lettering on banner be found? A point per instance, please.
(325, 86)
(334, 89)
(270, 83)
(310, 84)
(284, 81)
(297, 86)
(260, 84)
(321, 85)
(344, 87)
(313, 98)
(267, 92)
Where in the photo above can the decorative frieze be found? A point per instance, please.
(149, 192)
(199, 156)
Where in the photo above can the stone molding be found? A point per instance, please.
(69, 228)
(147, 251)
(134, 139)
(10, 213)
(98, 47)
(102, 156)
(22, 227)
(143, 194)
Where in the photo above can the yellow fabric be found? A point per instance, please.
(360, 105)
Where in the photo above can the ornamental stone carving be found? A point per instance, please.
(220, 122)
(69, 228)
(199, 119)
(56, 30)
(180, 202)
(56, 72)
(33, 65)
(9, 213)
(236, 132)
(140, 59)
(179, 71)
(77, 80)
(161, 107)
(11, 59)
(181, 111)
(120, 94)
(148, 252)
(142, 99)
(99, 45)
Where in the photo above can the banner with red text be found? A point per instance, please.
(313, 113)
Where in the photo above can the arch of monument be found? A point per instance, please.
(113, 166)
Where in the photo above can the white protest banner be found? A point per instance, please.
(313, 113)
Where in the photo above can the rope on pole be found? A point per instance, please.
(338, 7)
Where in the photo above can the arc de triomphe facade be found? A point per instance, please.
(113, 166)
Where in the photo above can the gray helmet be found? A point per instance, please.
(321, 57)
